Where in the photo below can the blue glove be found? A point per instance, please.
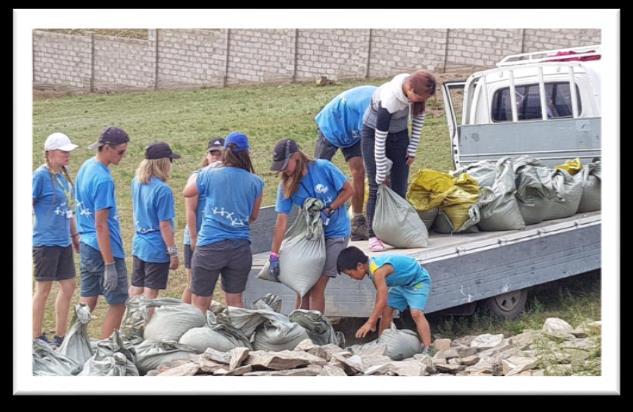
(274, 265)
(325, 217)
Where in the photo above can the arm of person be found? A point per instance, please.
(191, 188)
(191, 209)
(416, 129)
(381, 300)
(342, 197)
(380, 140)
(74, 235)
(167, 233)
(103, 235)
(255, 213)
(278, 235)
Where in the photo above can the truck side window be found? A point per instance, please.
(557, 97)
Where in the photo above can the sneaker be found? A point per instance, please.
(57, 341)
(43, 338)
(375, 245)
(359, 228)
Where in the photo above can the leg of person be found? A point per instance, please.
(138, 277)
(206, 263)
(44, 266)
(396, 150)
(386, 319)
(396, 300)
(423, 327)
(116, 300)
(66, 277)
(91, 270)
(323, 149)
(367, 146)
(416, 297)
(42, 290)
(333, 247)
(354, 158)
(235, 274)
(302, 302)
(186, 294)
(156, 275)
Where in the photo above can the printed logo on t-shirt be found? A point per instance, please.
(235, 221)
(319, 188)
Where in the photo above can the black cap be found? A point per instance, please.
(160, 150)
(216, 143)
(112, 136)
(281, 154)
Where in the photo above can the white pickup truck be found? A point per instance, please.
(545, 105)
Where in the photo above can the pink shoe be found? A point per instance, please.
(376, 245)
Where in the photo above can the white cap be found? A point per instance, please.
(59, 141)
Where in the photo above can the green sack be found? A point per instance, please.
(396, 222)
(591, 186)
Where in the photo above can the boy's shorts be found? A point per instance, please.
(53, 263)
(326, 150)
(92, 270)
(150, 275)
(333, 248)
(230, 258)
(414, 297)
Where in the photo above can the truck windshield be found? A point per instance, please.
(528, 102)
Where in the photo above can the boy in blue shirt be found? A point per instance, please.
(102, 263)
(339, 126)
(400, 282)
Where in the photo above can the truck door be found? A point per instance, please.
(453, 94)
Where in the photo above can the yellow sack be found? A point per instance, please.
(571, 166)
(456, 206)
(428, 189)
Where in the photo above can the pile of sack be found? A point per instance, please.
(178, 331)
(504, 195)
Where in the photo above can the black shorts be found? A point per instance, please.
(149, 274)
(188, 255)
(53, 263)
(230, 258)
(326, 150)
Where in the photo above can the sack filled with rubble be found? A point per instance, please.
(76, 344)
(400, 344)
(48, 362)
(137, 316)
(319, 328)
(569, 193)
(591, 176)
(535, 189)
(150, 355)
(247, 320)
(217, 337)
(113, 357)
(169, 323)
(498, 207)
(279, 334)
(396, 222)
(302, 253)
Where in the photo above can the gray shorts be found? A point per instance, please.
(53, 263)
(150, 275)
(230, 258)
(188, 254)
(326, 150)
(92, 268)
(333, 248)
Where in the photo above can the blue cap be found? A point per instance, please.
(239, 139)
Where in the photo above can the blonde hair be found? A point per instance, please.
(291, 183)
(160, 168)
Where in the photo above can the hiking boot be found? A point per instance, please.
(359, 228)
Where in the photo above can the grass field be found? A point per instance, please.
(186, 120)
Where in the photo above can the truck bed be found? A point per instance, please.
(466, 267)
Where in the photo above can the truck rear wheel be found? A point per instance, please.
(508, 305)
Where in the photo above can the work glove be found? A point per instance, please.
(110, 277)
(274, 265)
(325, 216)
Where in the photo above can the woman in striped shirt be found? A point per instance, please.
(385, 135)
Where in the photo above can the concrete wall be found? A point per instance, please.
(187, 58)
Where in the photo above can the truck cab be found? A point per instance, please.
(542, 104)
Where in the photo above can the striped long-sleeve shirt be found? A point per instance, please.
(389, 113)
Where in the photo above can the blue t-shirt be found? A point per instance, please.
(152, 203)
(52, 194)
(230, 194)
(94, 191)
(341, 120)
(407, 271)
(324, 181)
(199, 216)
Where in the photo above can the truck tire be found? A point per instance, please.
(508, 305)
